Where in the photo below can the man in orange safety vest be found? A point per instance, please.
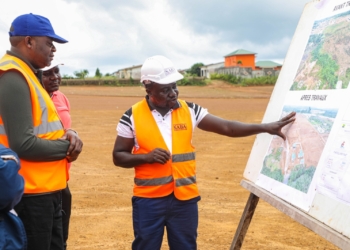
(155, 139)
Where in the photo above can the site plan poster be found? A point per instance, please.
(315, 157)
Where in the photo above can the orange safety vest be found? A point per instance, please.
(178, 175)
(40, 177)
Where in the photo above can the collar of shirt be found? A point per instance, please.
(53, 94)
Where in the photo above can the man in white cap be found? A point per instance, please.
(52, 81)
(31, 127)
(155, 138)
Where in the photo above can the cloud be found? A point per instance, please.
(114, 34)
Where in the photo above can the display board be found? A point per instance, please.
(311, 168)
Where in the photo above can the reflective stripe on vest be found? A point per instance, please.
(154, 181)
(45, 126)
(168, 179)
(185, 181)
(184, 157)
(165, 180)
(40, 177)
(178, 174)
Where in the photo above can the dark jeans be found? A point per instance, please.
(66, 211)
(152, 215)
(42, 219)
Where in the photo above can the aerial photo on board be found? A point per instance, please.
(326, 60)
(293, 161)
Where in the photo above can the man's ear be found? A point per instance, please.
(148, 89)
(28, 41)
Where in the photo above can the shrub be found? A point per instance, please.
(105, 81)
(255, 81)
(228, 78)
(112, 81)
(190, 80)
(262, 80)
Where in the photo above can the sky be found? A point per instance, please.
(114, 34)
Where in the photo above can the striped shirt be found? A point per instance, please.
(126, 126)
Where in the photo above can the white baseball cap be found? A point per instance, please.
(53, 64)
(159, 69)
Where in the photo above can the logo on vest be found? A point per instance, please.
(178, 127)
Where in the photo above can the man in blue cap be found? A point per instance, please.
(31, 127)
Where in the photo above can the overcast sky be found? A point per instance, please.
(114, 34)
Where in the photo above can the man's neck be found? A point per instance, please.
(17, 53)
(37, 72)
(162, 110)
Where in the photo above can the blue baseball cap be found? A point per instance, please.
(34, 25)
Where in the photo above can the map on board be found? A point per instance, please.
(310, 170)
(293, 161)
(315, 157)
(326, 60)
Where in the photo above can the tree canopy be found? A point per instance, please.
(195, 69)
(98, 74)
(81, 74)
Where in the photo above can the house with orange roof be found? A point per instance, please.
(242, 63)
(240, 58)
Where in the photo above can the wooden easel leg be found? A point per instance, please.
(244, 222)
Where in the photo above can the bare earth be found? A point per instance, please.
(101, 213)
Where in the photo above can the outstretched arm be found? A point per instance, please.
(221, 126)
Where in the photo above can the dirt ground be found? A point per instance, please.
(101, 213)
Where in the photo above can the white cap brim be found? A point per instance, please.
(159, 69)
(53, 64)
(174, 77)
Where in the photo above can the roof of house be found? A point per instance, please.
(267, 64)
(212, 64)
(183, 70)
(240, 52)
(128, 68)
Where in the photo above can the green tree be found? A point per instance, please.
(81, 74)
(196, 69)
(98, 74)
(66, 76)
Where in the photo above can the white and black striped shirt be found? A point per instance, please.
(126, 126)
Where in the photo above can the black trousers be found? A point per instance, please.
(42, 219)
(66, 211)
